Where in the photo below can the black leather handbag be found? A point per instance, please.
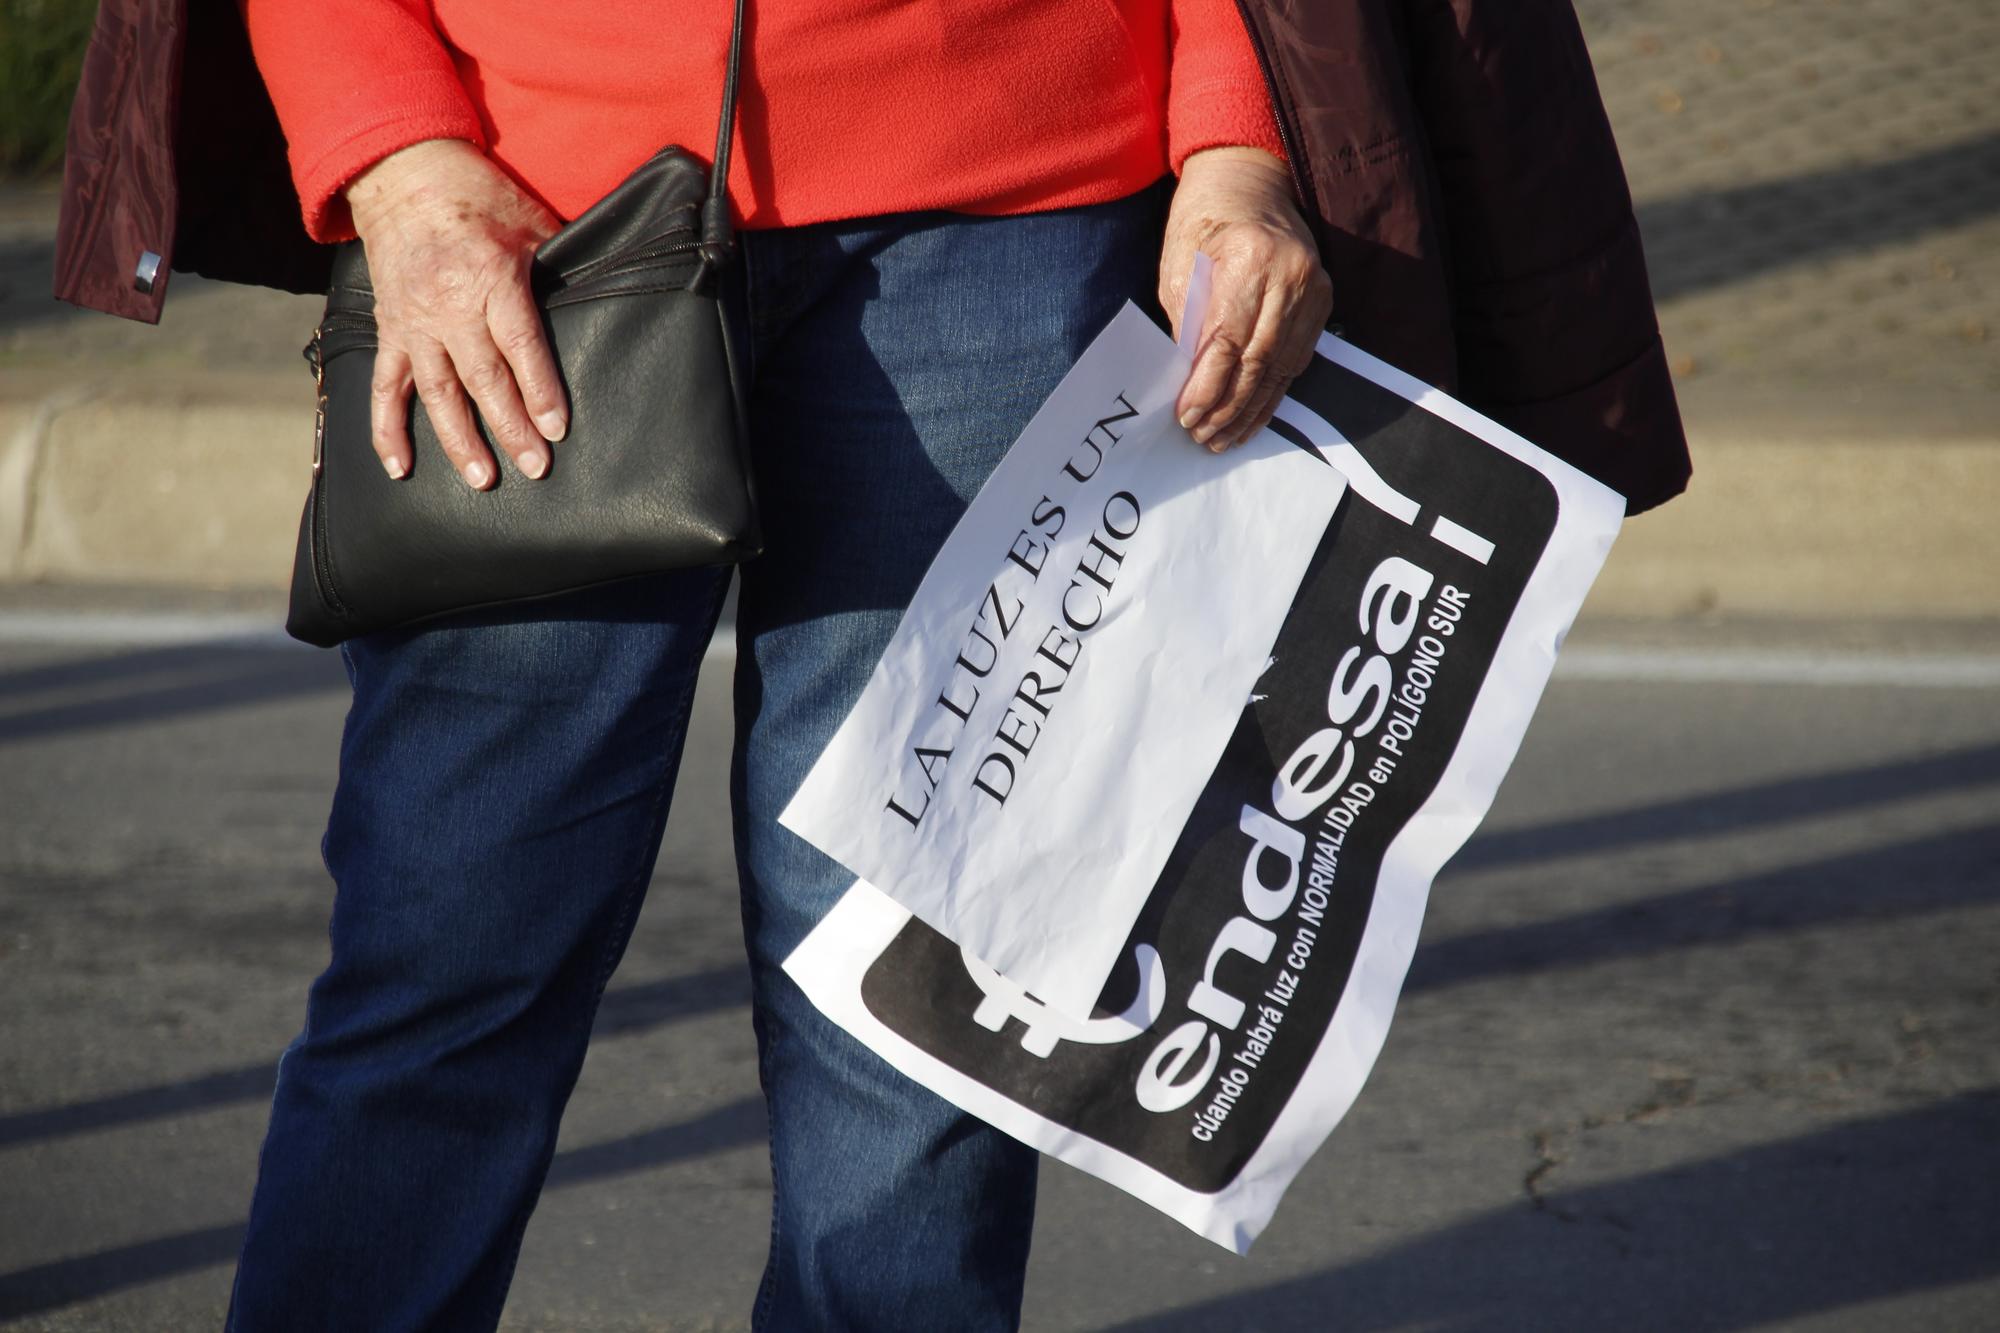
(653, 475)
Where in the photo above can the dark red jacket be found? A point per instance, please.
(1453, 155)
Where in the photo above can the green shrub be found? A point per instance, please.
(41, 54)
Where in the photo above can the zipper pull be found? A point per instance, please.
(317, 355)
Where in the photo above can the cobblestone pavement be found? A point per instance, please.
(1819, 182)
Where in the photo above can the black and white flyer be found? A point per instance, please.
(1069, 671)
(1255, 980)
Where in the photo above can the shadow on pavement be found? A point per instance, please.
(1925, 875)
(67, 1281)
(27, 277)
(1712, 238)
(1845, 1214)
(1857, 1212)
(1739, 808)
(1933, 874)
(626, 1010)
(157, 684)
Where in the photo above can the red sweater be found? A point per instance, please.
(849, 108)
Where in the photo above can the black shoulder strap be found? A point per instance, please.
(718, 235)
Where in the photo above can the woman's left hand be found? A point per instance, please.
(1270, 297)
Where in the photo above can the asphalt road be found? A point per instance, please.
(1701, 1035)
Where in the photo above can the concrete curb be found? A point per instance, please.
(191, 481)
(196, 481)
(1819, 527)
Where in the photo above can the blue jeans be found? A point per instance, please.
(504, 782)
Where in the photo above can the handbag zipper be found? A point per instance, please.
(316, 354)
(619, 263)
(322, 554)
(357, 321)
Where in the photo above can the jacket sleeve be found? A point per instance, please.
(352, 82)
(1215, 88)
(1556, 332)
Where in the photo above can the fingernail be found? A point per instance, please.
(1188, 418)
(394, 467)
(554, 425)
(533, 464)
(1205, 434)
(478, 474)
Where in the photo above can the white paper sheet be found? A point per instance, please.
(1021, 761)
(1194, 310)
(1255, 989)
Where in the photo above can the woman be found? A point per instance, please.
(941, 209)
(937, 215)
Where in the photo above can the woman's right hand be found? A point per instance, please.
(449, 238)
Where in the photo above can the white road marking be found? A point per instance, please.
(1773, 666)
(1733, 666)
(141, 629)
(172, 629)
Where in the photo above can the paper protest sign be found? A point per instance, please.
(1071, 667)
(1256, 987)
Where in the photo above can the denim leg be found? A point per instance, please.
(503, 785)
(894, 361)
